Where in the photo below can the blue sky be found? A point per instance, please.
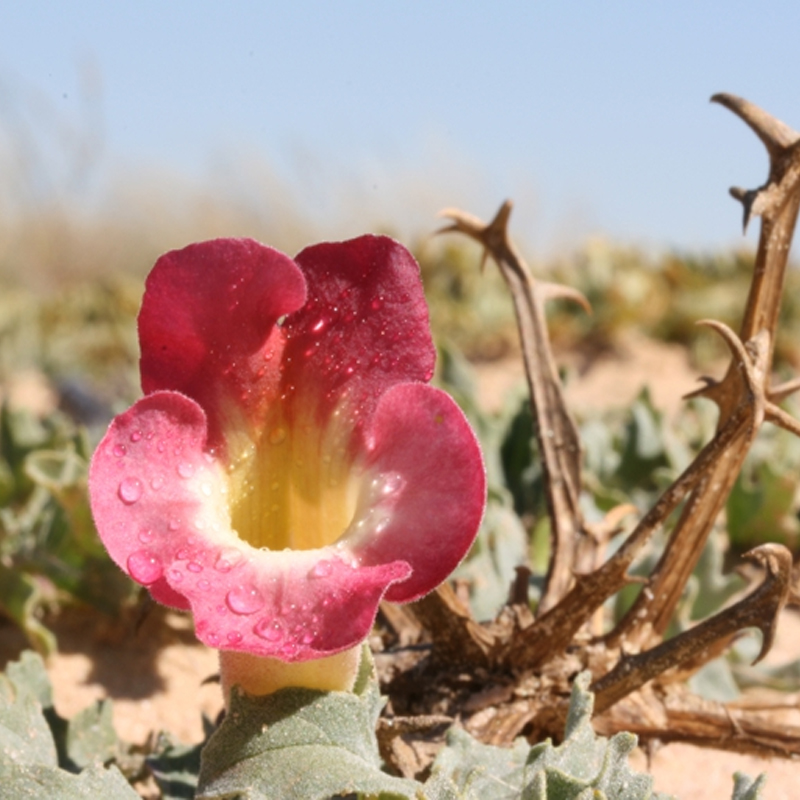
(593, 116)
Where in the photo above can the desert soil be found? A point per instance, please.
(155, 673)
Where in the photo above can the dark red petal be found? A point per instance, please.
(363, 328)
(429, 471)
(207, 326)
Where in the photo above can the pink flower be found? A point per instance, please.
(288, 466)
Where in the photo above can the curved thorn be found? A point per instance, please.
(731, 339)
(777, 416)
(776, 135)
(777, 561)
(709, 384)
(557, 291)
(783, 390)
(746, 197)
(501, 218)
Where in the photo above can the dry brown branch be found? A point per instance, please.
(777, 204)
(555, 429)
(522, 664)
(759, 609)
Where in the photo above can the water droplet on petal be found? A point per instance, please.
(320, 325)
(130, 490)
(307, 637)
(390, 482)
(119, 450)
(321, 569)
(175, 575)
(227, 559)
(156, 483)
(277, 435)
(194, 566)
(174, 524)
(203, 585)
(136, 436)
(269, 629)
(245, 599)
(212, 638)
(185, 470)
(146, 536)
(376, 304)
(144, 567)
(234, 637)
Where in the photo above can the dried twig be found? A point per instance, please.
(555, 429)
(748, 376)
(635, 670)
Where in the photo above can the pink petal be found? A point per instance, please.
(207, 326)
(295, 606)
(159, 505)
(142, 505)
(428, 496)
(363, 328)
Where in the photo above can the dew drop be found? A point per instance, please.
(194, 566)
(175, 575)
(130, 490)
(227, 559)
(376, 304)
(161, 447)
(182, 554)
(156, 483)
(119, 450)
(203, 585)
(288, 650)
(244, 599)
(307, 638)
(145, 536)
(174, 524)
(319, 326)
(136, 436)
(185, 470)
(321, 569)
(277, 435)
(390, 483)
(144, 567)
(268, 629)
(234, 637)
(212, 638)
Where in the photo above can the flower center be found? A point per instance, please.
(294, 488)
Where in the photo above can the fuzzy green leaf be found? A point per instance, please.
(299, 743)
(33, 782)
(175, 768)
(40, 751)
(745, 788)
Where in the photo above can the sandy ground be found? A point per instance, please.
(155, 674)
